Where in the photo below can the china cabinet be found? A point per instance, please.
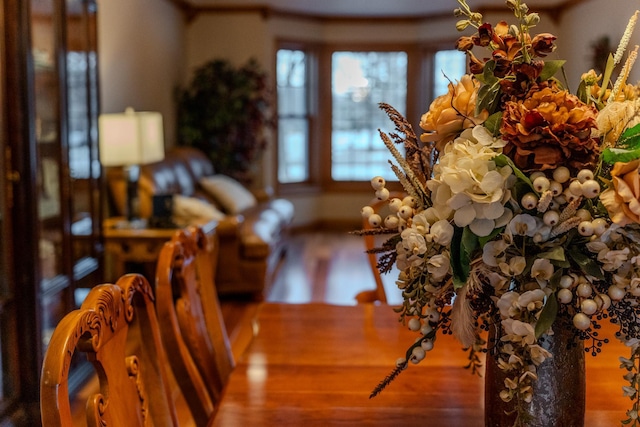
(50, 209)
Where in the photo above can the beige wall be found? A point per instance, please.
(141, 53)
(587, 22)
(235, 37)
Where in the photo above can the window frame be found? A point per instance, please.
(326, 111)
(420, 60)
(312, 183)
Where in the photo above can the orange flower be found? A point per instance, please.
(451, 113)
(542, 44)
(464, 43)
(622, 199)
(549, 128)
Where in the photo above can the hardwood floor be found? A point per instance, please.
(329, 267)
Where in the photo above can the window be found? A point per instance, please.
(448, 66)
(359, 82)
(293, 116)
(344, 150)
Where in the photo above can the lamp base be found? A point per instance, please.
(132, 173)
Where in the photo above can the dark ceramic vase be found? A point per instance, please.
(559, 392)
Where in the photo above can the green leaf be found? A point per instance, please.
(608, 70)
(554, 280)
(459, 276)
(550, 68)
(493, 123)
(561, 264)
(469, 242)
(615, 155)
(547, 315)
(502, 160)
(586, 264)
(630, 138)
(488, 98)
(483, 240)
(581, 93)
(556, 253)
(487, 77)
(462, 245)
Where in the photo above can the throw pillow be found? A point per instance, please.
(191, 210)
(231, 195)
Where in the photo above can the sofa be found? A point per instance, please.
(252, 225)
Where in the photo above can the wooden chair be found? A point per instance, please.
(191, 321)
(378, 294)
(116, 327)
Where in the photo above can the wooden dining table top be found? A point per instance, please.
(316, 365)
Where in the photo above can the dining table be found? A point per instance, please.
(317, 364)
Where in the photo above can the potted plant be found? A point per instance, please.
(225, 112)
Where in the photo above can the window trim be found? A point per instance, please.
(326, 110)
(311, 184)
(419, 93)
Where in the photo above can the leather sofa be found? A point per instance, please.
(251, 242)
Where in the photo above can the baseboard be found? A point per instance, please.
(342, 225)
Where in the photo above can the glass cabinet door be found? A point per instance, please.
(64, 54)
(9, 378)
(84, 166)
(50, 187)
(53, 265)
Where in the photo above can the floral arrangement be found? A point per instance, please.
(522, 206)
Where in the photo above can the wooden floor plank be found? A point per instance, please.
(327, 266)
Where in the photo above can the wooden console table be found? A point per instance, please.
(136, 243)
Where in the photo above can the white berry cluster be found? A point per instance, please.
(577, 290)
(401, 210)
(552, 196)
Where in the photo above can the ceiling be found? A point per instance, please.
(370, 8)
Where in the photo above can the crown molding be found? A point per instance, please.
(191, 11)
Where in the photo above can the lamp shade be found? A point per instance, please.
(131, 138)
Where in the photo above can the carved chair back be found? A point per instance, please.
(117, 329)
(191, 320)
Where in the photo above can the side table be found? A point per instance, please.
(135, 243)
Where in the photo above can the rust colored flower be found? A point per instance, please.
(508, 50)
(485, 35)
(526, 74)
(451, 113)
(509, 55)
(543, 44)
(464, 44)
(476, 66)
(549, 128)
(622, 199)
(501, 31)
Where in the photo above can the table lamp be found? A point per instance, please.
(128, 140)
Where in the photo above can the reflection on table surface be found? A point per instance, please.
(316, 364)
